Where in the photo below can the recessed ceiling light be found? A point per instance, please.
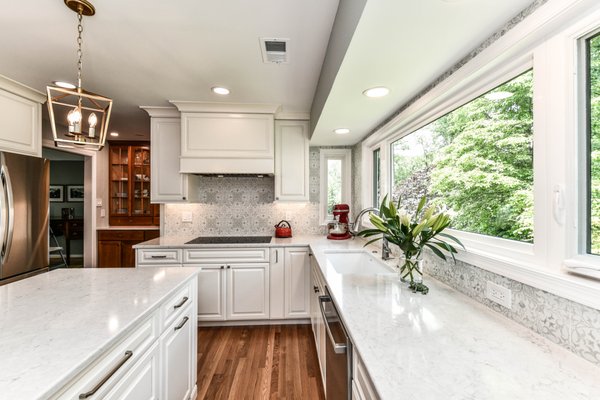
(378, 91)
(341, 131)
(114, 134)
(220, 90)
(64, 85)
(498, 95)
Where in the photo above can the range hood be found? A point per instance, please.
(227, 139)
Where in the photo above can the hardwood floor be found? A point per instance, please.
(258, 362)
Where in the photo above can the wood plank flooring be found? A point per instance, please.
(258, 362)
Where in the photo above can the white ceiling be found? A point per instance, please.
(146, 52)
(404, 45)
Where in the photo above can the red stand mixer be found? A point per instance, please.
(338, 229)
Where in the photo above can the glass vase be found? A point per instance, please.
(410, 270)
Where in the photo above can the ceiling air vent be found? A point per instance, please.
(274, 51)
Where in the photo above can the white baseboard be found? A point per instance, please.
(302, 321)
(194, 393)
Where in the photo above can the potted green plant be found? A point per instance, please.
(412, 233)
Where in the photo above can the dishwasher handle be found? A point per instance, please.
(338, 348)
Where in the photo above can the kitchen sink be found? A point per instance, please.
(357, 262)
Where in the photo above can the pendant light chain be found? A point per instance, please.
(79, 51)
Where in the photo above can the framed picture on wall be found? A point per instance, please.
(56, 193)
(75, 193)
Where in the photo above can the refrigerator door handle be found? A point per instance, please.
(10, 207)
(3, 210)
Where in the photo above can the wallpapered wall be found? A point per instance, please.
(245, 206)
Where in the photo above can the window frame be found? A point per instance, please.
(345, 155)
(549, 42)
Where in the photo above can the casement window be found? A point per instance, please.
(477, 160)
(511, 143)
(336, 180)
(376, 188)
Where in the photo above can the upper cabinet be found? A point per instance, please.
(129, 185)
(20, 118)
(226, 138)
(291, 160)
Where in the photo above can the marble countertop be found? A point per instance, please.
(440, 346)
(128, 228)
(53, 325)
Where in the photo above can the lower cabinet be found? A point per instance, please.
(115, 246)
(156, 360)
(233, 291)
(297, 282)
(179, 357)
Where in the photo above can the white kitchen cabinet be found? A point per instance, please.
(291, 160)
(362, 386)
(157, 356)
(178, 345)
(213, 143)
(297, 282)
(211, 293)
(142, 382)
(248, 291)
(20, 118)
(233, 283)
(277, 283)
(166, 183)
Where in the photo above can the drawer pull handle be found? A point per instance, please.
(155, 257)
(181, 303)
(110, 373)
(316, 289)
(185, 319)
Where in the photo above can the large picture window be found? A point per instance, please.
(477, 160)
(593, 123)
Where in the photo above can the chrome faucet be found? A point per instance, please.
(354, 229)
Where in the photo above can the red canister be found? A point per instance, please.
(283, 229)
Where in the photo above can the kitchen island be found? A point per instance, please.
(440, 346)
(62, 332)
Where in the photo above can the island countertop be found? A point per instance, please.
(53, 325)
(443, 345)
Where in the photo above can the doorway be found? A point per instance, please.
(72, 211)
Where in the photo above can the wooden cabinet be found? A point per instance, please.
(115, 246)
(291, 160)
(20, 118)
(297, 282)
(129, 185)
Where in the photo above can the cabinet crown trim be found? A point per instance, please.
(19, 89)
(161, 112)
(200, 106)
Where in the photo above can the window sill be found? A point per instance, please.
(586, 265)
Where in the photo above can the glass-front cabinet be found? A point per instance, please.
(129, 185)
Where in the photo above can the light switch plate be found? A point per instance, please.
(98, 202)
(499, 294)
(186, 216)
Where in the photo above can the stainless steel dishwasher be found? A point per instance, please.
(338, 359)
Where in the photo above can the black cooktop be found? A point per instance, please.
(230, 239)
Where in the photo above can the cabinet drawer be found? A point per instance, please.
(136, 343)
(361, 380)
(159, 256)
(172, 308)
(120, 235)
(226, 255)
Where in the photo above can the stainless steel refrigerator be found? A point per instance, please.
(24, 215)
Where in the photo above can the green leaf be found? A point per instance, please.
(421, 205)
(436, 251)
(446, 235)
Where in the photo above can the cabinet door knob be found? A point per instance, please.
(229, 267)
(222, 266)
(316, 289)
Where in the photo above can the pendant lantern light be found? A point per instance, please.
(84, 115)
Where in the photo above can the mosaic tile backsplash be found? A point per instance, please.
(244, 206)
(569, 324)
